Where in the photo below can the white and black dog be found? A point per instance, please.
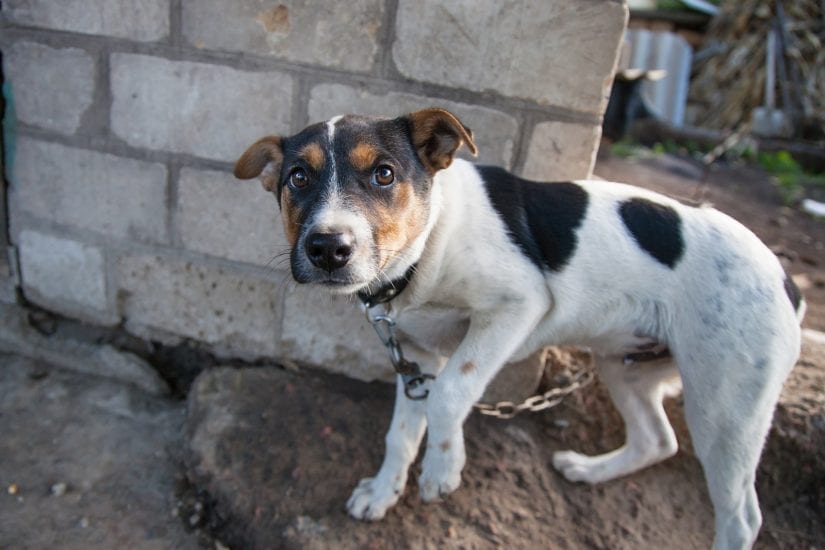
(487, 268)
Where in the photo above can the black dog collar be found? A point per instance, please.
(388, 291)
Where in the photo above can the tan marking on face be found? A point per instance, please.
(314, 155)
(468, 367)
(444, 445)
(397, 224)
(291, 215)
(363, 156)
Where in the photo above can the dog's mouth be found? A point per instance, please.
(346, 280)
(341, 286)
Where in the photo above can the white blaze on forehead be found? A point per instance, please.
(334, 214)
(331, 152)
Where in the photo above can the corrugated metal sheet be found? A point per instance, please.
(663, 50)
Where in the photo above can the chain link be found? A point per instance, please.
(413, 378)
(540, 402)
(409, 371)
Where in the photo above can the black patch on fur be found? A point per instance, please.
(793, 292)
(656, 228)
(542, 218)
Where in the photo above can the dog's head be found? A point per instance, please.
(355, 192)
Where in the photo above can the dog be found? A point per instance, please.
(479, 267)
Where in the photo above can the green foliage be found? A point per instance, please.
(629, 149)
(632, 150)
(791, 179)
(789, 175)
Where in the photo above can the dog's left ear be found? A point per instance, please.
(436, 135)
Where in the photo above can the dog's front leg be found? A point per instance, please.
(490, 341)
(375, 495)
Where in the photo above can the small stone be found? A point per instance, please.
(12, 490)
(308, 526)
(59, 489)
(84, 522)
(561, 423)
(38, 371)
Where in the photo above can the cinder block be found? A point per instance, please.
(115, 196)
(562, 151)
(64, 275)
(146, 20)
(331, 332)
(232, 311)
(495, 132)
(237, 220)
(553, 52)
(7, 290)
(52, 87)
(342, 35)
(205, 110)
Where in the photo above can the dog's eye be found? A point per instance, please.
(383, 175)
(298, 178)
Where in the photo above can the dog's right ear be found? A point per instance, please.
(264, 159)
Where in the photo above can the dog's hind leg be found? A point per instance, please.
(637, 390)
(375, 495)
(728, 407)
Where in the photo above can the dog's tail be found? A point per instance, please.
(796, 298)
(800, 310)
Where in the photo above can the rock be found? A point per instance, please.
(16, 336)
(561, 360)
(516, 381)
(90, 462)
(271, 447)
(276, 454)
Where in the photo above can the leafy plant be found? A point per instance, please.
(789, 175)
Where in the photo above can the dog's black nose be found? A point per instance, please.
(329, 251)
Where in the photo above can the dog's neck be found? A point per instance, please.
(388, 291)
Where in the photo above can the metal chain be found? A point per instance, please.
(540, 402)
(409, 371)
(413, 378)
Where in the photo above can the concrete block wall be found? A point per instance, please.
(123, 119)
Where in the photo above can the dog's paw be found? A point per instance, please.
(440, 475)
(433, 488)
(370, 500)
(576, 466)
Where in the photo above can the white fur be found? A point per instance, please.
(476, 299)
